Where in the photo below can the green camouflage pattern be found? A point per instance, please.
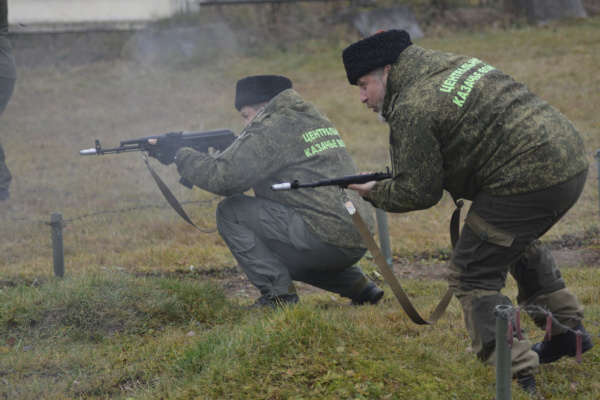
(3, 17)
(290, 139)
(8, 67)
(460, 125)
(8, 76)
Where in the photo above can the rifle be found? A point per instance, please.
(219, 139)
(200, 141)
(342, 182)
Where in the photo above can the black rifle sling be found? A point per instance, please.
(455, 223)
(388, 274)
(172, 200)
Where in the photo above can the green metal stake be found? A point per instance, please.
(384, 235)
(503, 376)
(598, 164)
(57, 245)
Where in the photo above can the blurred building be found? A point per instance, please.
(60, 15)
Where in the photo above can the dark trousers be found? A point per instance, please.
(501, 235)
(273, 246)
(6, 89)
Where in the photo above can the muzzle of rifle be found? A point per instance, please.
(88, 152)
(282, 186)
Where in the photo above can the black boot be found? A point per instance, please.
(371, 294)
(276, 302)
(562, 345)
(527, 383)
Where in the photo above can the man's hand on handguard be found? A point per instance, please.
(363, 189)
(164, 150)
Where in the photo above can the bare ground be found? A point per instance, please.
(566, 252)
(236, 285)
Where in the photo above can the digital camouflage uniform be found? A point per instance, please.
(460, 125)
(280, 236)
(8, 75)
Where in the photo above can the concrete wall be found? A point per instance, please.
(23, 12)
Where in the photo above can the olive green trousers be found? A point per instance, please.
(501, 235)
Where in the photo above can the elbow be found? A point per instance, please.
(429, 200)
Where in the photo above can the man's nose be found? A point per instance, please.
(363, 97)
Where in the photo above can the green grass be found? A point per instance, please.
(111, 335)
(130, 320)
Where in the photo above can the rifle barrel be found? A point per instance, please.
(117, 150)
(343, 182)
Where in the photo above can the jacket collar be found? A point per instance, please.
(284, 99)
(407, 67)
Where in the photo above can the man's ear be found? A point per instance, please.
(386, 69)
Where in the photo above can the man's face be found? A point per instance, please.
(249, 112)
(372, 90)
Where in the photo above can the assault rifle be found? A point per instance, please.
(342, 182)
(200, 141)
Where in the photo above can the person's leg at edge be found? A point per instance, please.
(5, 177)
(6, 90)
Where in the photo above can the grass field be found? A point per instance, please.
(132, 320)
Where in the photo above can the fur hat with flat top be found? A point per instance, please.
(374, 52)
(259, 89)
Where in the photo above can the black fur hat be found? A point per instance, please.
(259, 89)
(374, 52)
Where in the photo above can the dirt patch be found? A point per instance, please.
(589, 258)
(235, 284)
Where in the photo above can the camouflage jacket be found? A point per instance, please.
(8, 69)
(290, 139)
(458, 124)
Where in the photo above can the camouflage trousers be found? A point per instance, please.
(273, 246)
(5, 175)
(6, 89)
(501, 235)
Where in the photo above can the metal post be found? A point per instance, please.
(384, 235)
(598, 164)
(57, 245)
(503, 362)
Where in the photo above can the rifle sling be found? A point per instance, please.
(171, 198)
(388, 274)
